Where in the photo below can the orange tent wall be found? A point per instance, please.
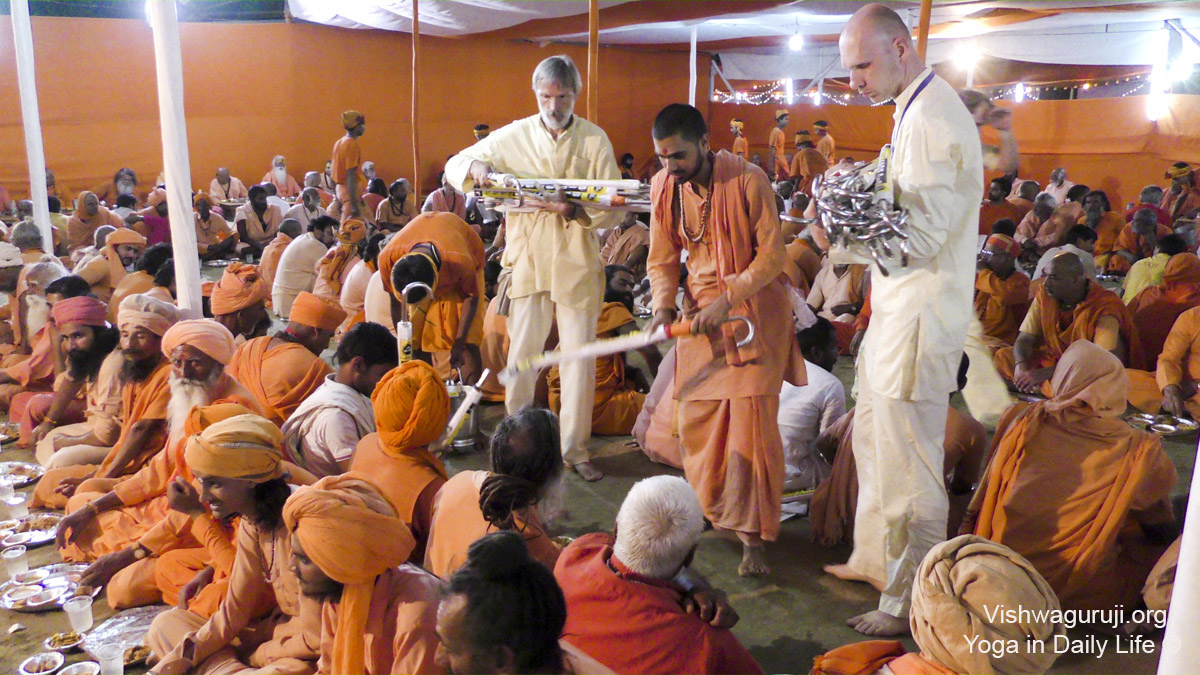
(1107, 144)
(256, 90)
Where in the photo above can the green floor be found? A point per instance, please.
(787, 618)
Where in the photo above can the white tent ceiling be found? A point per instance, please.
(752, 44)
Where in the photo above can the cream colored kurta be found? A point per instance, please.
(297, 271)
(546, 253)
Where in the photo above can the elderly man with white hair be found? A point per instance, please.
(553, 252)
(307, 209)
(286, 186)
(633, 602)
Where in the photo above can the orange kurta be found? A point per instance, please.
(493, 351)
(1178, 364)
(990, 214)
(804, 263)
(1001, 304)
(458, 522)
(1128, 241)
(81, 229)
(145, 400)
(271, 254)
(807, 164)
(410, 482)
(1156, 308)
(1107, 230)
(617, 403)
(347, 159)
(777, 142)
(729, 396)
(741, 147)
(279, 374)
(1182, 203)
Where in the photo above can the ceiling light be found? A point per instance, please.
(1019, 92)
(966, 55)
(796, 42)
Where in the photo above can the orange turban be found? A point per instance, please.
(199, 419)
(1005, 242)
(352, 231)
(350, 531)
(334, 263)
(411, 408)
(311, 310)
(156, 197)
(143, 311)
(241, 286)
(206, 335)
(116, 271)
(353, 118)
(781, 113)
(201, 197)
(246, 447)
(83, 310)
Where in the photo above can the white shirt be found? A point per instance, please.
(323, 432)
(298, 265)
(301, 214)
(1089, 261)
(805, 413)
(921, 312)
(1059, 193)
(280, 203)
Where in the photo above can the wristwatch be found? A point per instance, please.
(139, 552)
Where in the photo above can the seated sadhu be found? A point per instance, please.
(378, 615)
(141, 279)
(289, 230)
(239, 302)
(1068, 475)
(34, 366)
(1031, 223)
(106, 516)
(1173, 387)
(478, 630)
(1098, 215)
(628, 245)
(838, 294)
(958, 586)
(283, 369)
(1001, 291)
(996, 206)
(630, 596)
(297, 269)
(214, 238)
(1149, 272)
(1182, 199)
(805, 412)
(620, 388)
(121, 250)
(411, 410)
(1067, 308)
(257, 221)
(89, 216)
(145, 392)
(1080, 240)
(1156, 308)
(239, 468)
(440, 250)
(334, 267)
(525, 474)
(1137, 241)
(804, 261)
(323, 432)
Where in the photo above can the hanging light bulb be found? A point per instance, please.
(796, 42)
(1019, 92)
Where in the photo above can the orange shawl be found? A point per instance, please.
(1156, 308)
(279, 377)
(1001, 304)
(143, 400)
(1098, 303)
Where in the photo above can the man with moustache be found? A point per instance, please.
(553, 253)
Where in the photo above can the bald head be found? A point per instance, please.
(291, 227)
(881, 21)
(312, 179)
(877, 49)
(1066, 280)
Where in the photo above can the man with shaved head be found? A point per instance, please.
(909, 358)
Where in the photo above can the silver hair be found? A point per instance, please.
(26, 235)
(101, 235)
(1151, 194)
(559, 69)
(659, 524)
(1046, 197)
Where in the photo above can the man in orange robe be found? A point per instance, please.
(121, 249)
(525, 467)
(1181, 200)
(214, 238)
(626, 594)
(776, 142)
(1136, 241)
(1173, 386)
(144, 396)
(238, 302)
(741, 147)
(440, 250)
(1068, 307)
(620, 389)
(723, 212)
(411, 410)
(285, 185)
(997, 207)
(1098, 215)
(807, 164)
(281, 370)
(1156, 308)
(804, 263)
(1025, 191)
(88, 217)
(106, 519)
(1069, 483)
(347, 167)
(377, 615)
(1001, 292)
(628, 245)
(825, 143)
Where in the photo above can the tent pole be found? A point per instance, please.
(31, 118)
(692, 70)
(416, 62)
(177, 169)
(593, 65)
(923, 28)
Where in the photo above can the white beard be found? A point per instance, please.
(280, 173)
(37, 313)
(187, 394)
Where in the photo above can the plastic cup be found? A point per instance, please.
(6, 489)
(14, 561)
(18, 507)
(79, 613)
(111, 656)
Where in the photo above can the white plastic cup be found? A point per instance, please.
(79, 613)
(6, 489)
(18, 506)
(111, 656)
(15, 561)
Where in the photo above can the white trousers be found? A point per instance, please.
(902, 503)
(529, 320)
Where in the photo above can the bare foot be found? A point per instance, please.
(587, 471)
(753, 564)
(845, 573)
(879, 623)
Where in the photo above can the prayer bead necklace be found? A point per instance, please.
(705, 211)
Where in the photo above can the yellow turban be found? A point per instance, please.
(143, 311)
(352, 231)
(820, 124)
(206, 335)
(350, 531)
(781, 113)
(199, 419)
(333, 265)
(737, 124)
(957, 584)
(246, 447)
(1178, 170)
(411, 407)
(311, 310)
(241, 286)
(353, 118)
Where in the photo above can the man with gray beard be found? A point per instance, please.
(107, 523)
